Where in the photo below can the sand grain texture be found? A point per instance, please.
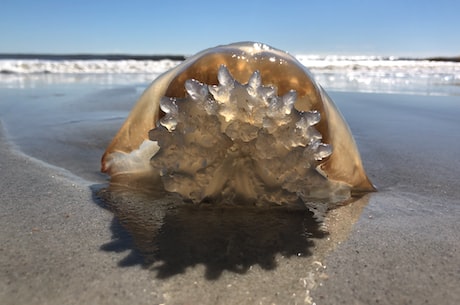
(58, 245)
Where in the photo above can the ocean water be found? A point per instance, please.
(338, 73)
(66, 110)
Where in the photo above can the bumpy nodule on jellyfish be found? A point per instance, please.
(226, 135)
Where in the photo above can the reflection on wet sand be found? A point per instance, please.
(167, 235)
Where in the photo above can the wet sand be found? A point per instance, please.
(61, 245)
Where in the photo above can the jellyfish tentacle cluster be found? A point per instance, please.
(240, 143)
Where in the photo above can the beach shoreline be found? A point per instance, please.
(60, 245)
(46, 221)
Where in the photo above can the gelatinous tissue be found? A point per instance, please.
(241, 124)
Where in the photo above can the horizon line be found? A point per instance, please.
(181, 57)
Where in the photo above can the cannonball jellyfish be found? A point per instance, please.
(242, 123)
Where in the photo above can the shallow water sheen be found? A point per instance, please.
(66, 120)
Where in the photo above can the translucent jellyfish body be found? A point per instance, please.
(241, 124)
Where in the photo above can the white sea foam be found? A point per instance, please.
(378, 74)
(341, 73)
(85, 66)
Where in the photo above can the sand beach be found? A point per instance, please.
(61, 244)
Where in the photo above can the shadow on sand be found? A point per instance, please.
(166, 235)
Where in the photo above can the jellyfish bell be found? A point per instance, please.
(239, 122)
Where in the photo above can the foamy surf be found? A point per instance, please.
(333, 72)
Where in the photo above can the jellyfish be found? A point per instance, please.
(242, 124)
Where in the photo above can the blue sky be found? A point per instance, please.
(387, 27)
